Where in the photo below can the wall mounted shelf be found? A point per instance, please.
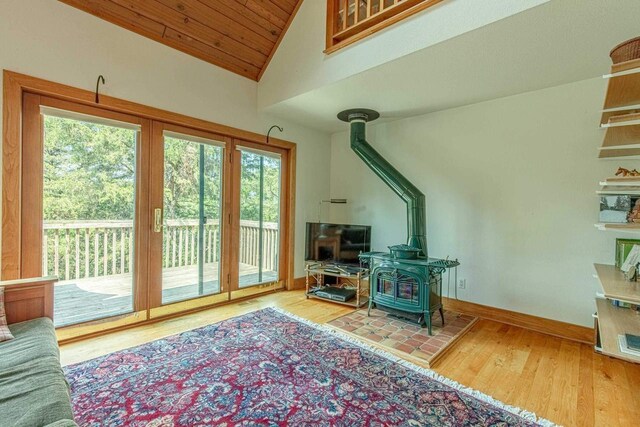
(626, 119)
(613, 321)
(621, 122)
(624, 85)
(616, 190)
(623, 228)
(621, 112)
(617, 153)
(610, 113)
(615, 286)
(631, 181)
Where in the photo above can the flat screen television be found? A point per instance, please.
(339, 243)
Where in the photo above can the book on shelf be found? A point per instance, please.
(629, 266)
(622, 304)
(633, 341)
(623, 247)
(624, 346)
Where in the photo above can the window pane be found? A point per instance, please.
(192, 210)
(259, 219)
(89, 206)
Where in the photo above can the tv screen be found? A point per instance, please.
(339, 243)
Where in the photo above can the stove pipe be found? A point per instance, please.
(414, 198)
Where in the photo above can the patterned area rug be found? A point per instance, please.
(270, 368)
(408, 337)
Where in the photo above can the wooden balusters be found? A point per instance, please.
(85, 249)
(351, 20)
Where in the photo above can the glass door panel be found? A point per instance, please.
(259, 240)
(192, 203)
(89, 188)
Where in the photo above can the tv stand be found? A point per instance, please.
(351, 277)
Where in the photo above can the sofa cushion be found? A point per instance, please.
(5, 333)
(33, 389)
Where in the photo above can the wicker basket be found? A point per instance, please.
(626, 51)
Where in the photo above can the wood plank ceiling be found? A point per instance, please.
(238, 35)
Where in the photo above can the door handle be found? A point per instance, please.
(157, 220)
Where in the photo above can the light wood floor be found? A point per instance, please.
(560, 380)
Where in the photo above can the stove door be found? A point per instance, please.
(398, 288)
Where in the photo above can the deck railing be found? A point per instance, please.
(84, 249)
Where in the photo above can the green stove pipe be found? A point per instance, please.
(409, 193)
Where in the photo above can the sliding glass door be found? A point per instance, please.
(259, 237)
(192, 206)
(141, 219)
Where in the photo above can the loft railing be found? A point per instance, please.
(351, 20)
(85, 249)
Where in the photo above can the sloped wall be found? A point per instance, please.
(301, 52)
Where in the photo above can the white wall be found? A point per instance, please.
(301, 52)
(53, 41)
(510, 187)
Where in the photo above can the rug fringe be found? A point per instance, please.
(527, 415)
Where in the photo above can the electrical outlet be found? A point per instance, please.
(462, 284)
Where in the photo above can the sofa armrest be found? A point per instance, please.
(27, 299)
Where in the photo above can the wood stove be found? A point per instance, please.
(409, 288)
(398, 283)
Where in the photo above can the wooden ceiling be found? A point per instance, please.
(238, 35)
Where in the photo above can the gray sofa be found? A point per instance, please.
(33, 389)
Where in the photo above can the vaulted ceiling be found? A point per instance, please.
(238, 35)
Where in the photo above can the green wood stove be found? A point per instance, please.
(406, 280)
(410, 288)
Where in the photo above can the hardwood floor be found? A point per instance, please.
(560, 380)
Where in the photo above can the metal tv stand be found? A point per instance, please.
(350, 277)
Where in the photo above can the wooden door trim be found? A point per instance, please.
(31, 215)
(14, 83)
(89, 110)
(11, 177)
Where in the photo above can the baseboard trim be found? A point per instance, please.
(538, 324)
(299, 283)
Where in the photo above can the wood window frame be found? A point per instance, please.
(21, 258)
(337, 38)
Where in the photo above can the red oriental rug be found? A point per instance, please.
(270, 368)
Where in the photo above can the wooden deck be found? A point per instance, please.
(82, 300)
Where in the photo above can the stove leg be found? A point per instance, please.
(442, 315)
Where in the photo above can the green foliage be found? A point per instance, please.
(182, 179)
(89, 171)
(250, 187)
(89, 174)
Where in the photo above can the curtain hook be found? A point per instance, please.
(100, 77)
(271, 128)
